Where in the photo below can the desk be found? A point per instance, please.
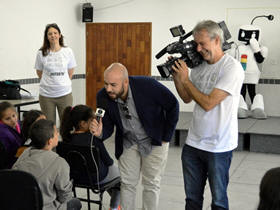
(18, 103)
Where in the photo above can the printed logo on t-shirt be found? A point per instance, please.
(54, 64)
(57, 74)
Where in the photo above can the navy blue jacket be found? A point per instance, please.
(156, 106)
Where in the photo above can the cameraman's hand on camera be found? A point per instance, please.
(95, 127)
(181, 71)
(181, 80)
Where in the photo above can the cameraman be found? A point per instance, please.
(215, 87)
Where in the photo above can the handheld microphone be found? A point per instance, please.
(99, 113)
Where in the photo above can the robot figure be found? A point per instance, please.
(251, 55)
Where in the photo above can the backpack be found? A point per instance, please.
(10, 89)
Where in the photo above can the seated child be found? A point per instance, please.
(50, 170)
(28, 119)
(75, 129)
(10, 136)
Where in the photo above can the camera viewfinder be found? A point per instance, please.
(177, 31)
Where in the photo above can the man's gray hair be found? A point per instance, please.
(211, 27)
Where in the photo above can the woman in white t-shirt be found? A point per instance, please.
(55, 65)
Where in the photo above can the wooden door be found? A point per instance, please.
(106, 43)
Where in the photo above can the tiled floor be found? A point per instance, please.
(246, 171)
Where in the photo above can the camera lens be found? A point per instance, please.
(99, 111)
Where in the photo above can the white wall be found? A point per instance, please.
(23, 22)
(22, 29)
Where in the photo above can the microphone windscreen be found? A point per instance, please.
(99, 113)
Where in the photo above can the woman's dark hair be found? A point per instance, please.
(3, 107)
(28, 119)
(71, 119)
(270, 191)
(40, 132)
(46, 45)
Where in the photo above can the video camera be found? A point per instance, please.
(188, 50)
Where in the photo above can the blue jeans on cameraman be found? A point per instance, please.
(198, 165)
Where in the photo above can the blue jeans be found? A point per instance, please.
(198, 165)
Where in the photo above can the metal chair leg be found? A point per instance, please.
(101, 200)
(74, 191)
(88, 198)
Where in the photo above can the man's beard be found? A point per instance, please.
(116, 95)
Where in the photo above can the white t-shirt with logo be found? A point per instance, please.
(55, 81)
(217, 129)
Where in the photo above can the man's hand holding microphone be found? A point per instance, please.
(96, 125)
